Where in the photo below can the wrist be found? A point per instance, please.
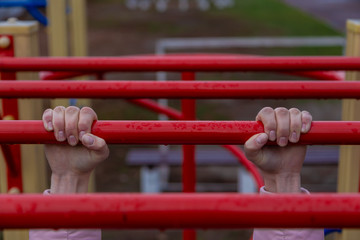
(283, 182)
(69, 183)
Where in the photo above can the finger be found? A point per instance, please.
(86, 118)
(283, 126)
(253, 147)
(71, 125)
(267, 117)
(306, 119)
(59, 123)
(98, 145)
(295, 125)
(47, 118)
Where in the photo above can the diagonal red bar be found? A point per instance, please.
(181, 132)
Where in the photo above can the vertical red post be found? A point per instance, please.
(188, 165)
(12, 153)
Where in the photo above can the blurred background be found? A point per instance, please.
(137, 27)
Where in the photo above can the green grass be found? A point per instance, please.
(273, 17)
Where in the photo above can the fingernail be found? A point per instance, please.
(81, 134)
(88, 140)
(294, 137)
(61, 136)
(283, 141)
(303, 127)
(50, 126)
(261, 139)
(72, 140)
(272, 136)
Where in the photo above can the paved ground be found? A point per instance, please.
(334, 12)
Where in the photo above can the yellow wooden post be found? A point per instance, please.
(78, 28)
(57, 35)
(26, 44)
(57, 29)
(78, 36)
(349, 164)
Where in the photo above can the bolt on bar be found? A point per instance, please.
(126, 211)
(180, 89)
(180, 132)
(181, 63)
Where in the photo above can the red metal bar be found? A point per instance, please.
(179, 89)
(180, 211)
(181, 63)
(188, 109)
(189, 165)
(181, 132)
(317, 75)
(12, 153)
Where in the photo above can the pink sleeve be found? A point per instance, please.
(64, 234)
(287, 234)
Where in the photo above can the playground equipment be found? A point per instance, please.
(184, 5)
(64, 17)
(145, 64)
(188, 66)
(30, 5)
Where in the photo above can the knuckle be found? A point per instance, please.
(267, 110)
(281, 111)
(294, 111)
(47, 112)
(59, 109)
(306, 116)
(72, 110)
(87, 111)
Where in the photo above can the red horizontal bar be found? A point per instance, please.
(178, 89)
(180, 132)
(180, 211)
(181, 63)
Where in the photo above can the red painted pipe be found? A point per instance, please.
(188, 109)
(180, 211)
(180, 132)
(181, 63)
(178, 89)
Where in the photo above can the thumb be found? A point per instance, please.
(96, 144)
(253, 147)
